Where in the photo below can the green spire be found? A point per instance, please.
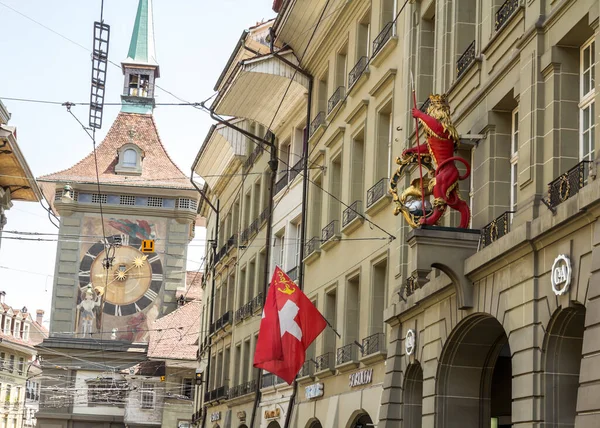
(141, 48)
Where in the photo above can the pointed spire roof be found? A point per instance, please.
(142, 50)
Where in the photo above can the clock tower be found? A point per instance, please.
(127, 191)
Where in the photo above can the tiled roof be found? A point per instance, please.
(193, 289)
(158, 170)
(175, 336)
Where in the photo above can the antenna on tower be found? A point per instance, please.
(99, 66)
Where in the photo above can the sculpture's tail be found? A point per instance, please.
(461, 160)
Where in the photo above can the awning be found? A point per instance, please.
(14, 171)
(222, 148)
(257, 86)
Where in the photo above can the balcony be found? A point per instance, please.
(258, 302)
(567, 185)
(312, 249)
(378, 196)
(384, 43)
(242, 389)
(220, 393)
(232, 242)
(346, 357)
(330, 235)
(248, 309)
(296, 169)
(221, 323)
(360, 69)
(317, 126)
(352, 217)
(269, 379)
(335, 99)
(373, 348)
(306, 372)
(264, 216)
(324, 365)
(293, 273)
(253, 156)
(505, 12)
(282, 183)
(465, 60)
(496, 229)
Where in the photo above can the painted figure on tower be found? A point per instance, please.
(442, 176)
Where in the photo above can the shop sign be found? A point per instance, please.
(313, 391)
(215, 416)
(362, 377)
(272, 414)
(561, 275)
(409, 342)
(241, 416)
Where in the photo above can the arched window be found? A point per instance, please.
(129, 158)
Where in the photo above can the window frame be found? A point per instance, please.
(587, 100)
(514, 160)
(147, 389)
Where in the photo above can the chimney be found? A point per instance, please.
(2, 296)
(39, 316)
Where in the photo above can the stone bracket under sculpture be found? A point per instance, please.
(445, 249)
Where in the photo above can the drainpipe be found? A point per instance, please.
(213, 285)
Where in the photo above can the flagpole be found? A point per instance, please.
(412, 84)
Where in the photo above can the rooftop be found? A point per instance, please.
(175, 336)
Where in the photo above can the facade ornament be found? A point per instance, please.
(441, 177)
(561, 275)
(409, 342)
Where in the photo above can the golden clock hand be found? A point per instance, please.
(124, 272)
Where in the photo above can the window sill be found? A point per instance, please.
(347, 366)
(378, 205)
(375, 357)
(323, 374)
(317, 134)
(312, 257)
(331, 242)
(359, 82)
(385, 50)
(353, 225)
(305, 379)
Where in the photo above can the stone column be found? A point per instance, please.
(390, 414)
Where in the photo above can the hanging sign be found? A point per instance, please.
(215, 416)
(362, 377)
(409, 342)
(561, 275)
(313, 391)
(272, 414)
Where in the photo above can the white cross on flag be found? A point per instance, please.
(290, 323)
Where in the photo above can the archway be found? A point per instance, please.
(562, 361)
(412, 414)
(273, 424)
(315, 423)
(362, 420)
(474, 381)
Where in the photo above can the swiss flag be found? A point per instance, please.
(290, 323)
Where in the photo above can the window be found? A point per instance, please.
(11, 364)
(7, 395)
(281, 257)
(21, 365)
(155, 202)
(126, 200)
(514, 158)
(98, 198)
(108, 392)
(6, 325)
(586, 105)
(17, 330)
(297, 245)
(187, 388)
(3, 362)
(129, 158)
(26, 332)
(148, 395)
(138, 85)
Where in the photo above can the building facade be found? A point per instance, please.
(107, 293)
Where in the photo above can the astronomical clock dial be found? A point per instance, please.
(131, 284)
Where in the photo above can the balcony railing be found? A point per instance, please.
(425, 105)
(245, 235)
(506, 10)
(346, 353)
(281, 183)
(254, 227)
(377, 192)
(357, 71)
(312, 245)
(353, 211)
(253, 156)
(335, 98)
(258, 302)
(465, 60)
(317, 121)
(567, 184)
(497, 228)
(383, 37)
(249, 308)
(264, 215)
(216, 394)
(329, 231)
(324, 362)
(269, 379)
(306, 369)
(293, 273)
(296, 169)
(222, 322)
(373, 343)
(232, 241)
(242, 389)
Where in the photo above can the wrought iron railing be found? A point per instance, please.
(306, 369)
(335, 98)
(567, 184)
(254, 227)
(269, 379)
(373, 343)
(425, 105)
(353, 211)
(245, 235)
(257, 302)
(312, 245)
(465, 60)
(221, 392)
(264, 215)
(377, 192)
(346, 354)
(242, 389)
(316, 122)
(329, 231)
(506, 10)
(232, 241)
(497, 228)
(253, 156)
(323, 362)
(246, 310)
(281, 183)
(383, 37)
(293, 273)
(358, 70)
(226, 319)
(296, 169)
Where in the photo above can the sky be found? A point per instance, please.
(194, 39)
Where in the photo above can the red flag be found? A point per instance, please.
(290, 323)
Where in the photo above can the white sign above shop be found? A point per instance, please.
(313, 391)
(362, 377)
(561, 275)
(215, 416)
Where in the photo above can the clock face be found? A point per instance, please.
(132, 282)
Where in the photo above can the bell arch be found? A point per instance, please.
(314, 423)
(360, 419)
(474, 376)
(412, 399)
(562, 348)
(273, 424)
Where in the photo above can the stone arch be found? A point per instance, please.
(412, 413)
(273, 424)
(314, 423)
(562, 348)
(474, 375)
(360, 419)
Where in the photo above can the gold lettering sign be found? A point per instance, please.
(272, 414)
